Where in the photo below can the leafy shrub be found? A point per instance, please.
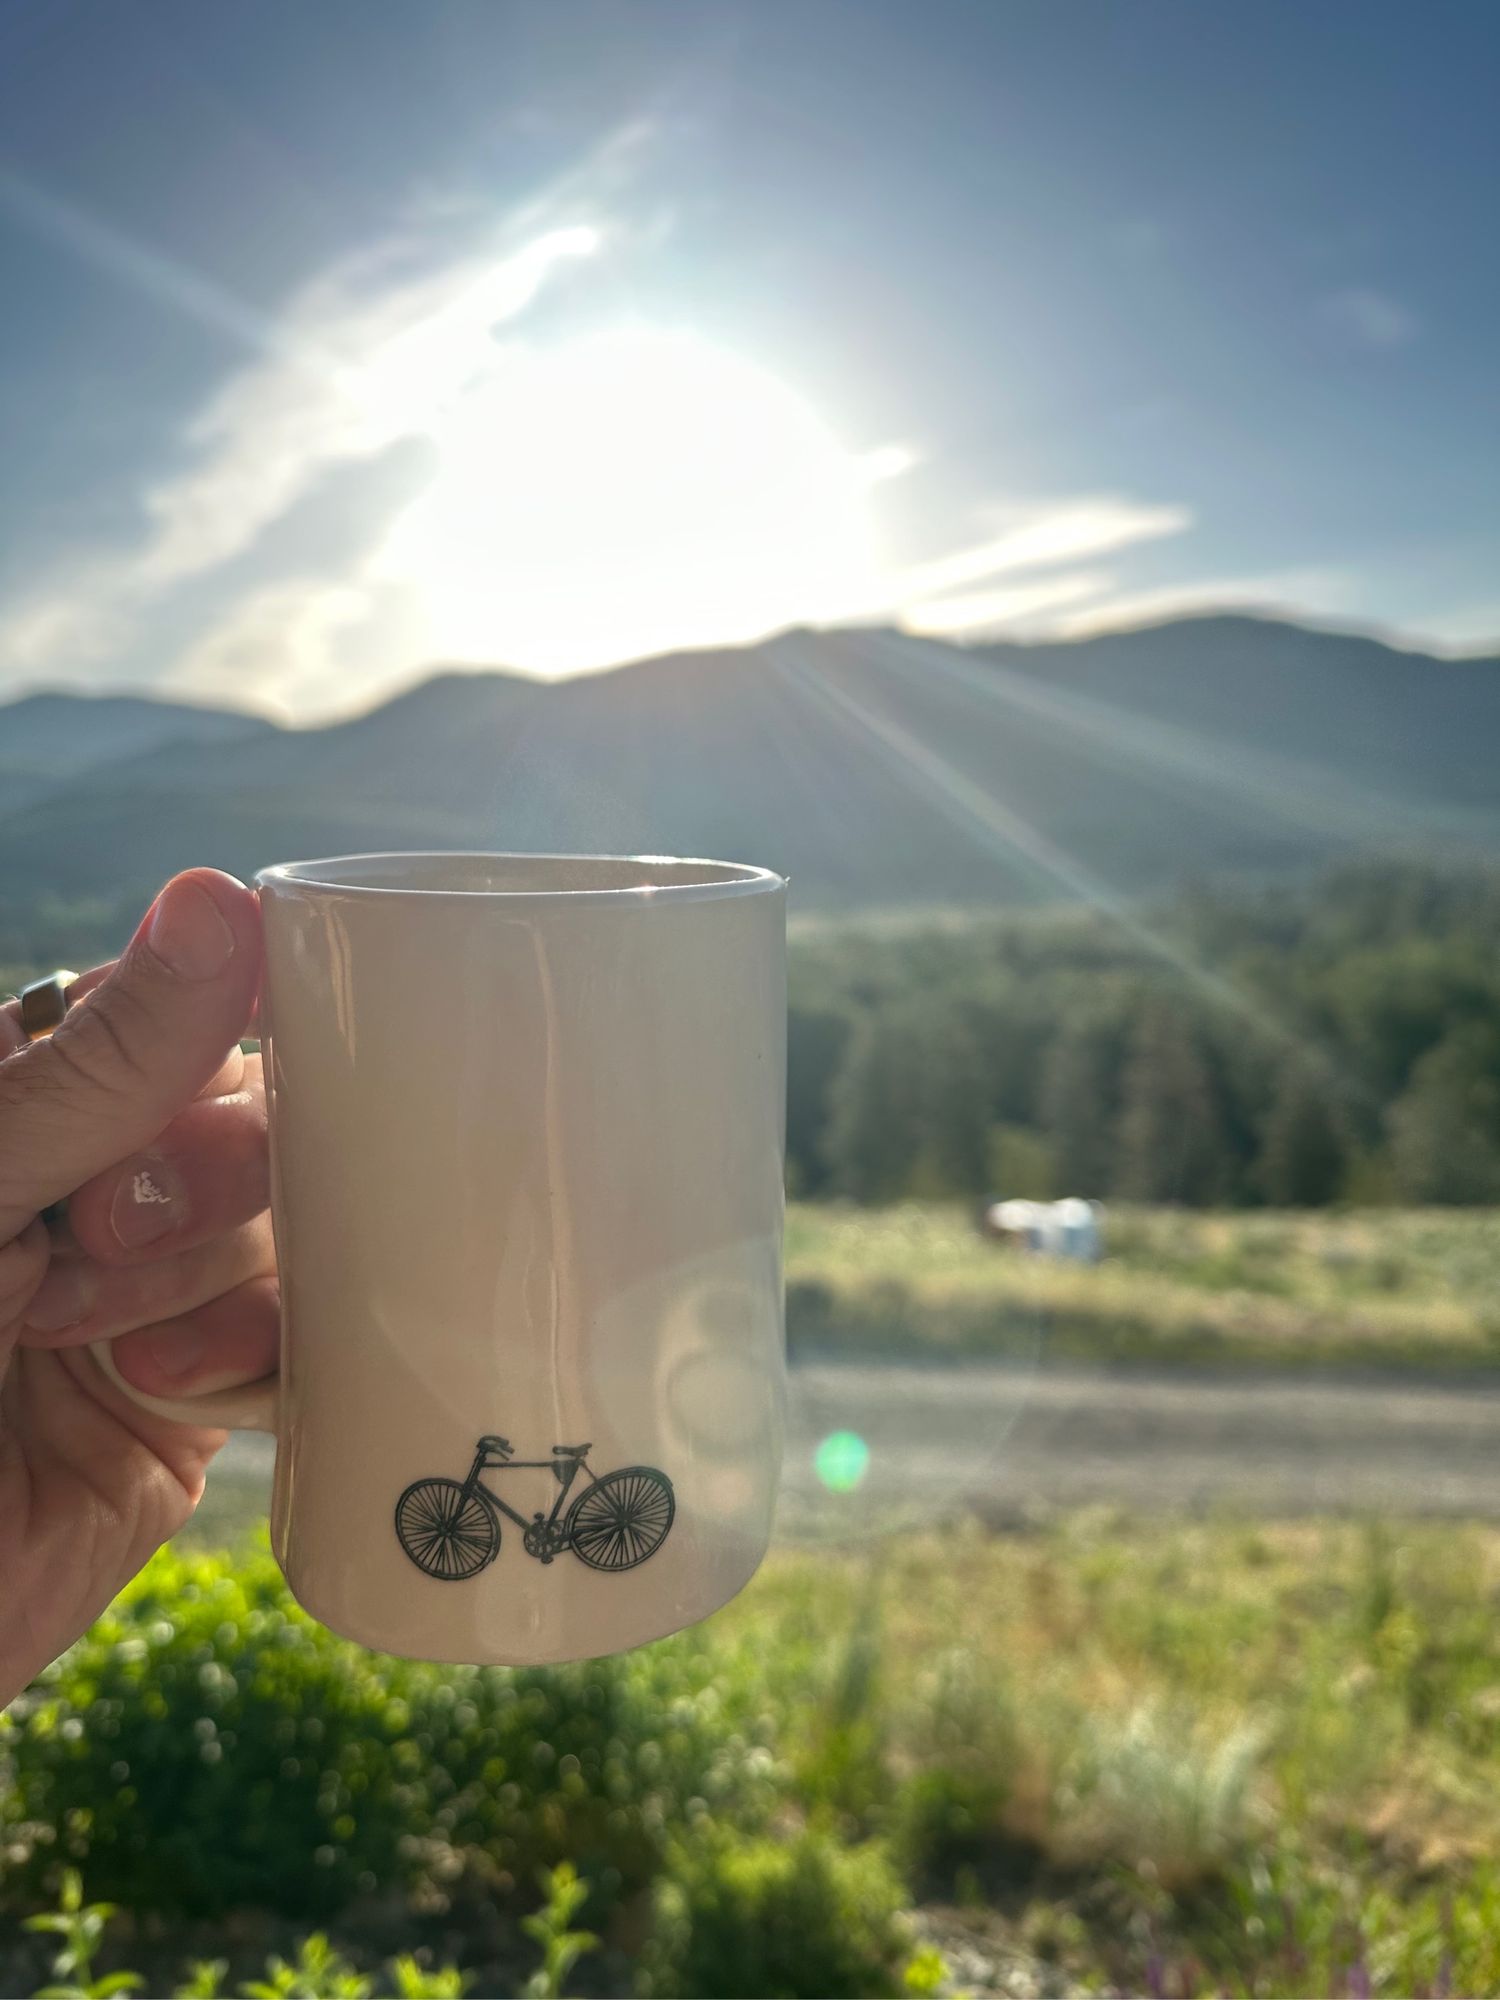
(958, 1739)
(80, 1927)
(1322, 1929)
(208, 1745)
(945, 1820)
(778, 1919)
(594, 1764)
(840, 1758)
(563, 1896)
(320, 1972)
(1151, 1794)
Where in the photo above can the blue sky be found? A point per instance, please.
(343, 338)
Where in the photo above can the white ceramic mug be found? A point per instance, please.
(527, 1119)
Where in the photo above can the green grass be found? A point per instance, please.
(1109, 1755)
(1197, 1759)
(1381, 1288)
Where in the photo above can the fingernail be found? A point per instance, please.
(62, 1299)
(149, 1202)
(188, 933)
(176, 1349)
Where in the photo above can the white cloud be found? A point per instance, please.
(357, 362)
(362, 374)
(1040, 536)
(57, 624)
(547, 504)
(529, 533)
(889, 461)
(1470, 628)
(570, 509)
(290, 642)
(1296, 592)
(1371, 318)
(1022, 607)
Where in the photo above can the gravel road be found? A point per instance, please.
(1011, 1444)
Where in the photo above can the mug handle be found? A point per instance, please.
(251, 1407)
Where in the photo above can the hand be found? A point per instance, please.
(142, 1111)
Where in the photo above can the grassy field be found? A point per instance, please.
(1108, 1756)
(1382, 1288)
(1199, 1760)
(1101, 1755)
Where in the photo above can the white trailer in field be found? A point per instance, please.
(1072, 1229)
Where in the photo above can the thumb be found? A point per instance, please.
(146, 1041)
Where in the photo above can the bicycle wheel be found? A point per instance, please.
(623, 1518)
(447, 1531)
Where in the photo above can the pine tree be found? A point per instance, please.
(1305, 1153)
(1172, 1143)
(909, 1110)
(873, 1127)
(1445, 1127)
(954, 1091)
(1078, 1106)
(817, 1042)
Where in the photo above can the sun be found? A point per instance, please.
(627, 493)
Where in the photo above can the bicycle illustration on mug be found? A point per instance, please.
(451, 1527)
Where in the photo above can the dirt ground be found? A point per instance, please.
(1013, 1443)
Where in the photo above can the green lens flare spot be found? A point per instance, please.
(841, 1461)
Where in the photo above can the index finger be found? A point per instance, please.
(13, 1036)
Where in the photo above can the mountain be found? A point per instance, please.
(49, 738)
(1383, 718)
(877, 770)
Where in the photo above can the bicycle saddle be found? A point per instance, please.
(570, 1450)
(501, 1446)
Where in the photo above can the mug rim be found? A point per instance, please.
(719, 879)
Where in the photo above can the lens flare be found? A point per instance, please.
(841, 1461)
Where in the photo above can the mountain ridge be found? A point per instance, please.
(1022, 648)
(875, 768)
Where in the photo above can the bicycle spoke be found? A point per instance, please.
(446, 1529)
(622, 1520)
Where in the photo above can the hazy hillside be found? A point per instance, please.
(51, 737)
(875, 769)
(1344, 703)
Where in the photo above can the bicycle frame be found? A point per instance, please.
(474, 1484)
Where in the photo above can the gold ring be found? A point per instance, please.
(43, 1004)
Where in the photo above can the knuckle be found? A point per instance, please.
(102, 1047)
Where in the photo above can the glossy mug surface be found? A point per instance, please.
(527, 1119)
